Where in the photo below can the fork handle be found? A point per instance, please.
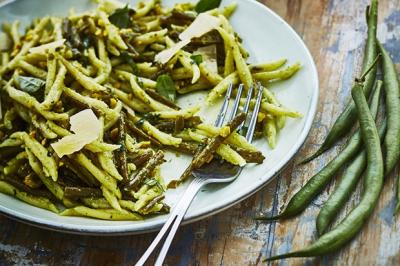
(174, 220)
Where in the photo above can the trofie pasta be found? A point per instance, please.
(88, 104)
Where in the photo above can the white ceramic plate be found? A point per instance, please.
(267, 37)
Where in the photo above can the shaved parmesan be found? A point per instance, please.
(165, 55)
(45, 47)
(85, 122)
(200, 26)
(87, 129)
(70, 144)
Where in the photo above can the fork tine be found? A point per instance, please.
(221, 116)
(254, 115)
(246, 106)
(236, 103)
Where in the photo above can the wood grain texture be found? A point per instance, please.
(335, 33)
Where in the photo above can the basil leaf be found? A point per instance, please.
(121, 17)
(197, 58)
(127, 58)
(29, 84)
(205, 5)
(165, 87)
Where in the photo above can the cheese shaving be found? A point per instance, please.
(200, 26)
(165, 55)
(45, 47)
(87, 129)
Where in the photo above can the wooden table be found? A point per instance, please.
(335, 33)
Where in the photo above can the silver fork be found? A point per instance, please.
(213, 172)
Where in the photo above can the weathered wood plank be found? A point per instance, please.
(334, 31)
(338, 55)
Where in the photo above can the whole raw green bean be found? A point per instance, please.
(319, 181)
(392, 92)
(346, 119)
(343, 190)
(373, 183)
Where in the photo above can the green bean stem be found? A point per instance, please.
(346, 119)
(343, 190)
(318, 182)
(373, 183)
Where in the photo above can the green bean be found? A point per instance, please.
(48, 162)
(51, 73)
(50, 184)
(132, 126)
(105, 214)
(55, 90)
(14, 164)
(140, 159)
(37, 201)
(149, 206)
(146, 171)
(31, 103)
(22, 112)
(346, 119)
(269, 66)
(97, 203)
(278, 74)
(97, 146)
(9, 117)
(107, 163)
(269, 128)
(42, 126)
(373, 183)
(87, 82)
(121, 153)
(11, 142)
(70, 203)
(100, 175)
(279, 110)
(18, 184)
(111, 198)
(343, 190)
(81, 192)
(318, 182)
(144, 199)
(392, 92)
(81, 172)
(90, 102)
(31, 69)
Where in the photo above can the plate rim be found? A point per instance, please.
(116, 230)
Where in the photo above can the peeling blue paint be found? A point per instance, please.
(393, 20)
(392, 45)
(386, 214)
(286, 244)
(334, 48)
(393, 48)
(347, 78)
